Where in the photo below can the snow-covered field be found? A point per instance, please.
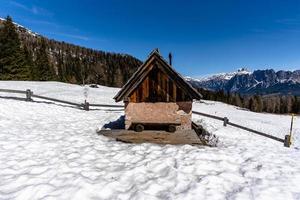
(52, 151)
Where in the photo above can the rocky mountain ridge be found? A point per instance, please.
(262, 82)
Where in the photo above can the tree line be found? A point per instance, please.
(26, 56)
(258, 103)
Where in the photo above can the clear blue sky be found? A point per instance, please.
(205, 37)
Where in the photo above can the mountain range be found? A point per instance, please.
(262, 82)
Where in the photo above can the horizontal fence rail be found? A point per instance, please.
(256, 132)
(226, 121)
(57, 100)
(13, 91)
(107, 105)
(208, 115)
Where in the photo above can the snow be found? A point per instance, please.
(52, 151)
(220, 76)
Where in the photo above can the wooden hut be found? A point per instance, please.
(157, 96)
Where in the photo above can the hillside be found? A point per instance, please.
(257, 82)
(75, 64)
(52, 151)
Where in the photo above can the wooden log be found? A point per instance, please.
(174, 91)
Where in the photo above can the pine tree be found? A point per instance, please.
(29, 62)
(296, 105)
(43, 71)
(12, 57)
(283, 105)
(252, 104)
(259, 103)
(238, 101)
(60, 67)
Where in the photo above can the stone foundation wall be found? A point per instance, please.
(179, 112)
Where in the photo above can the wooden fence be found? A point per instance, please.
(86, 106)
(285, 141)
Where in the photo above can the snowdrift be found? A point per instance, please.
(52, 151)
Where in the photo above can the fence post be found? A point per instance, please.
(225, 121)
(287, 141)
(288, 138)
(86, 105)
(28, 95)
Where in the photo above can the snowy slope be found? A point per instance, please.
(51, 151)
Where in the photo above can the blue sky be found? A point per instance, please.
(205, 37)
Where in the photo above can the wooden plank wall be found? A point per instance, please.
(158, 87)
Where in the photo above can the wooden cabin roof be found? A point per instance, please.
(155, 59)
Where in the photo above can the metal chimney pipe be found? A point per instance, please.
(170, 59)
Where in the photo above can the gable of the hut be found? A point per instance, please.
(156, 81)
(158, 86)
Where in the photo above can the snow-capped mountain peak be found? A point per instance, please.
(243, 70)
(259, 81)
(220, 76)
(228, 75)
